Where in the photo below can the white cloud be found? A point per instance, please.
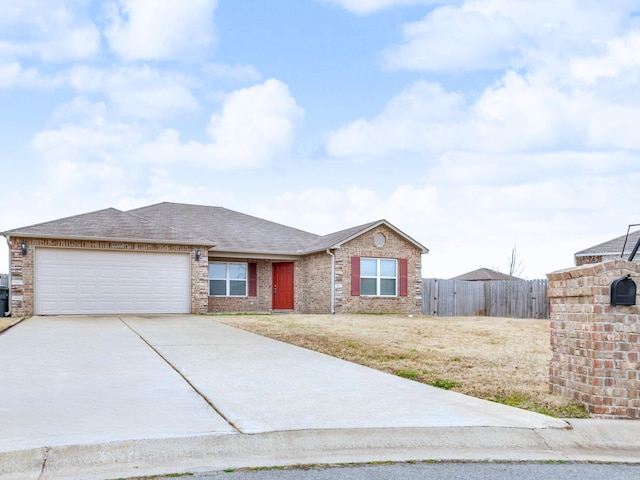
(159, 29)
(95, 140)
(14, 75)
(253, 127)
(622, 55)
(366, 7)
(420, 118)
(137, 91)
(232, 72)
(496, 34)
(52, 30)
(518, 114)
(495, 170)
(448, 39)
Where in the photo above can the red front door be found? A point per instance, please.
(282, 288)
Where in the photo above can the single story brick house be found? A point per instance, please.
(179, 258)
(609, 250)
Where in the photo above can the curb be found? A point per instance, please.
(586, 440)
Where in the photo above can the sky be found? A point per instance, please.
(474, 126)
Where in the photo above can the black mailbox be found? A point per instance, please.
(623, 291)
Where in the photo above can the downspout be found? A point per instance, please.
(8, 313)
(333, 281)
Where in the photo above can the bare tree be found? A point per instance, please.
(516, 265)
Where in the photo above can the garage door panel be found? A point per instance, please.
(71, 281)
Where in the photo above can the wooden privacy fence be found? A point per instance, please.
(512, 298)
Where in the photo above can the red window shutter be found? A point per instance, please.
(355, 276)
(253, 279)
(404, 277)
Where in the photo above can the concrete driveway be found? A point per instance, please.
(136, 386)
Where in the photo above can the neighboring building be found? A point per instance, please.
(609, 250)
(484, 274)
(178, 258)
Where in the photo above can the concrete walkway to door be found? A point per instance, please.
(105, 397)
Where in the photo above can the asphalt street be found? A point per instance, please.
(438, 471)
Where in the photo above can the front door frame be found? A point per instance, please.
(282, 286)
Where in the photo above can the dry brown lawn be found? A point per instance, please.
(500, 359)
(6, 322)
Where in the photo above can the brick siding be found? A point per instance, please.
(316, 287)
(395, 247)
(595, 346)
(261, 303)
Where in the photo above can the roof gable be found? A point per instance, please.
(337, 239)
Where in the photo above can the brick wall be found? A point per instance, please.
(595, 346)
(394, 247)
(21, 278)
(22, 268)
(316, 270)
(261, 303)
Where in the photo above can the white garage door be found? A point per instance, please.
(71, 281)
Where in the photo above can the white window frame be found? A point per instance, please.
(227, 279)
(379, 277)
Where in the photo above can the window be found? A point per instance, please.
(378, 277)
(227, 279)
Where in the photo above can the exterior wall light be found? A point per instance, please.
(197, 254)
(23, 247)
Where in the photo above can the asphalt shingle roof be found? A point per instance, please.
(613, 246)
(223, 229)
(108, 224)
(337, 238)
(230, 231)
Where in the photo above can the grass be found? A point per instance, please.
(8, 322)
(504, 360)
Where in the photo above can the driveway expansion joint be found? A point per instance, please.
(193, 387)
(45, 455)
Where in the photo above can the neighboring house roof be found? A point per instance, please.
(484, 274)
(216, 227)
(108, 224)
(612, 247)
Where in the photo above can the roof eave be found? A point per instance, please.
(197, 242)
(591, 254)
(257, 253)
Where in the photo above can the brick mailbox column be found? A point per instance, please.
(595, 345)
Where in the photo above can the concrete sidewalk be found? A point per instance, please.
(107, 397)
